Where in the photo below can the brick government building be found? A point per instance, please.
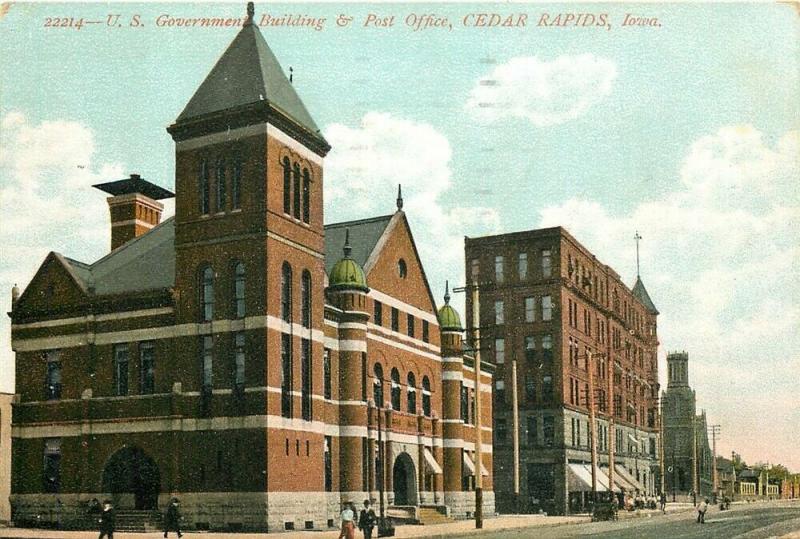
(242, 355)
(575, 331)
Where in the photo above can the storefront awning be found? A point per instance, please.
(471, 466)
(602, 480)
(620, 471)
(579, 478)
(431, 461)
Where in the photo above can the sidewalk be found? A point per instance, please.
(672, 507)
(460, 528)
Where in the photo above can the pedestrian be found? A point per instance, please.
(348, 526)
(694, 499)
(367, 520)
(107, 521)
(663, 501)
(701, 511)
(172, 520)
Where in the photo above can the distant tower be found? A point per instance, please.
(678, 369)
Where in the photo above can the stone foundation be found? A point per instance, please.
(462, 504)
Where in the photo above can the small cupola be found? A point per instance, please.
(134, 207)
(347, 274)
(449, 320)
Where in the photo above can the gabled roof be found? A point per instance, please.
(640, 292)
(364, 236)
(246, 73)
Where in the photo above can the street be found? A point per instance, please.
(751, 521)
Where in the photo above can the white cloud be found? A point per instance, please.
(47, 204)
(545, 93)
(719, 260)
(369, 161)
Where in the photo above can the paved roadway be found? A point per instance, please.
(749, 521)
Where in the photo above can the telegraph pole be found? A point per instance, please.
(478, 449)
(590, 398)
(714, 432)
(661, 443)
(694, 458)
(515, 418)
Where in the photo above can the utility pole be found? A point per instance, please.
(714, 432)
(660, 404)
(478, 449)
(694, 458)
(515, 417)
(590, 398)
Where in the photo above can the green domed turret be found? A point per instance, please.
(346, 274)
(448, 316)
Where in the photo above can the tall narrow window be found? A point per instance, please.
(426, 396)
(547, 348)
(395, 319)
(207, 293)
(530, 349)
(296, 189)
(426, 337)
(326, 373)
(402, 268)
(475, 269)
(221, 186)
(548, 430)
(287, 186)
(205, 189)
(547, 388)
(522, 266)
(530, 388)
(547, 268)
(464, 403)
(378, 313)
(52, 387)
(52, 465)
(498, 269)
(286, 375)
(305, 298)
(121, 369)
(147, 367)
(328, 463)
(530, 309)
(305, 374)
(410, 322)
(306, 196)
(286, 292)
(499, 351)
(238, 289)
(395, 389)
(239, 361)
(533, 430)
(499, 312)
(377, 390)
(412, 393)
(208, 362)
(547, 308)
(236, 185)
(500, 391)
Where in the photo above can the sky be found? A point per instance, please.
(686, 131)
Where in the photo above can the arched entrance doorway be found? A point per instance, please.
(404, 480)
(132, 478)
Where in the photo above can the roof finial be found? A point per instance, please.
(447, 292)
(636, 238)
(251, 11)
(291, 74)
(399, 197)
(347, 248)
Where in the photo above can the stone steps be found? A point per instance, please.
(130, 520)
(432, 515)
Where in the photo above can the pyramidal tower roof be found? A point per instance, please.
(640, 292)
(248, 75)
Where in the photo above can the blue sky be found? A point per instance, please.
(686, 132)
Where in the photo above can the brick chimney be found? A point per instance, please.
(134, 207)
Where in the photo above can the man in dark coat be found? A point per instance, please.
(107, 520)
(172, 520)
(367, 520)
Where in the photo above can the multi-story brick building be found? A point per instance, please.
(575, 331)
(5, 457)
(687, 454)
(241, 355)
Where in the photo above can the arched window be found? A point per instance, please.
(412, 394)
(286, 292)
(207, 293)
(221, 185)
(305, 298)
(238, 289)
(287, 186)
(306, 196)
(426, 396)
(296, 187)
(377, 390)
(239, 362)
(402, 269)
(395, 389)
(236, 185)
(205, 191)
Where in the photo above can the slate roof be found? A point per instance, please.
(135, 184)
(640, 292)
(364, 236)
(246, 73)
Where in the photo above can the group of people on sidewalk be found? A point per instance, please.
(366, 521)
(107, 518)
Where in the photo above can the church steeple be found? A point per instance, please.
(247, 86)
